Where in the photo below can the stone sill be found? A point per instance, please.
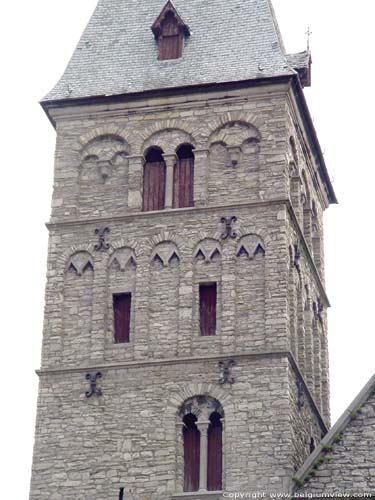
(199, 495)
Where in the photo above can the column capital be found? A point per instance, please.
(170, 159)
(201, 153)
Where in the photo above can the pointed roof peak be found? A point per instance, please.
(169, 8)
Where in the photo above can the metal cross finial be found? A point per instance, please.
(308, 33)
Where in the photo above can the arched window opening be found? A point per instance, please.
(154, 180)
(202, 418)
(183, 177)
(215, 453)
(191, 453)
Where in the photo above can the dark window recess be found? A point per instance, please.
(154, 181)
(207, 309)
(171, 39)
(183, 178)
(312, 445)
(122, 310)
(215, 453)
(121, 494)
(191, 453)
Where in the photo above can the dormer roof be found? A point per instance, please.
(169, 8)
(230, 40)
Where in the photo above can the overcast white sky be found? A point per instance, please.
(37, 38)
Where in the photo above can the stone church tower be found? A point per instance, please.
(185, 341)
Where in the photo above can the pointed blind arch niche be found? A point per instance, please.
(170, 31)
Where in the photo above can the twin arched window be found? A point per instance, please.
(158, 176)
(203, 444)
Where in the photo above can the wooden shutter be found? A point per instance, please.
(183, 183)
(207, 309)
(171, 40)
(191, 454)
(122, 309)
(215, 454)
(154, 186)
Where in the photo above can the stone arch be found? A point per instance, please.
(235, 134)
(69, 256)
(80, 263)
(100, 157)
(122, 259)
(105, 147)
(182, 393)
(164, 126)
(130, 243)
(251, 245)
(234, 141)
(165, 253)
(164, 236)
(201, 406)
(260, 232)
(217, 123)
(208, 250)
(168, 140)
(105, 130)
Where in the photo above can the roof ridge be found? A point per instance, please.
(334, 435)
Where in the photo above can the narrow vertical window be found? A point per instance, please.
(122, 311)
(170, 31)
(154, 181)
(171, 39)
(215, 453)
(207, 309)
(183, 178)
(191, 436)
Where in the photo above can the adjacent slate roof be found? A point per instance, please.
(230, 40)
(344, 461)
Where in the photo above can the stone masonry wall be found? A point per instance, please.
(349, 468)
(129, 437)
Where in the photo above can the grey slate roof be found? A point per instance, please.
(231, 40)
(339, 427)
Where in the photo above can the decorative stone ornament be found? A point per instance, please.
(235, 153)
(226, 366)
(92, 378)
(300, 395)
(228, 228)
(102, 244)
(105, 167)
(297, 258)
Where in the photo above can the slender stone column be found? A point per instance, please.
(180, 457)
(203, 429)
(170, 161)
(135, 182)
(201, 167)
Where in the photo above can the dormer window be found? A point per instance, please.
(170, 31)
